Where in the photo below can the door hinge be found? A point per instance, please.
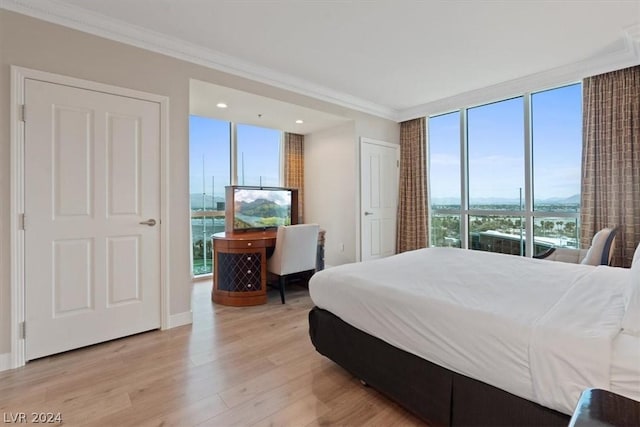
(397, 163)
(21, 221)
(23, 330)
(23, 113)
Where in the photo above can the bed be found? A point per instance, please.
(474, 338)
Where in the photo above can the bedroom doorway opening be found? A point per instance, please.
(379, 174)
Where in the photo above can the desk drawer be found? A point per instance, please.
(245, 244)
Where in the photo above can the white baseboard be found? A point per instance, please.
(180, 319)
(5, 361)
(175, 320)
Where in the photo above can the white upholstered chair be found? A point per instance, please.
(295, 252)
(599, 253)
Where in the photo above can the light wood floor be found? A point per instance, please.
(233, 366)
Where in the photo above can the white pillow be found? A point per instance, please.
(594, 254)
(631, 319)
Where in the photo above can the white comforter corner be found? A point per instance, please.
(539, 329)
(571, 344)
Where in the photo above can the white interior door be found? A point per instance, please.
(378, 198)
(92, 177)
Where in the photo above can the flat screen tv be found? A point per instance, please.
(259, 208)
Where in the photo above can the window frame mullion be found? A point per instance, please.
(464, 181)
(528, 176)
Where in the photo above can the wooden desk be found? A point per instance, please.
(240, 266)
(603, 408)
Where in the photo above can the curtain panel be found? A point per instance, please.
(412, 196)
(611, 160)
(294, 168)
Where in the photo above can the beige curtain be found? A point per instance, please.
(294, 167)
(611, 160)
(412, 205)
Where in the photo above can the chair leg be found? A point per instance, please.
(281, 281)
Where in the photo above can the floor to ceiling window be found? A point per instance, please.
(495, 152)
(212, 144)
(444, 179)
(507, 173)
(556, 142)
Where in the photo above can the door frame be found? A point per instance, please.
(19, 75)
(365, 140)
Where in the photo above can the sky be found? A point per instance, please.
(209, 139)
(496, 147)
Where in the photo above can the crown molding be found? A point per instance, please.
(103, 26)
(625, 52)
(632, 34)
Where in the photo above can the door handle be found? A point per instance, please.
(368, 213)
(150, 222)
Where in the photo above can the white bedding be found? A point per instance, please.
(625, 366)
(538, 329)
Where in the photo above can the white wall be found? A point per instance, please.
(35, 44)
(332, 183)
(329, 181)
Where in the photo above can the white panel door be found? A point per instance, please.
(92, 177)
(378, 198)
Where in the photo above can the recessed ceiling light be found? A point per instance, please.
(299, 121)
(221, 105)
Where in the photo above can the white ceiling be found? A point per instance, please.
(386, 57)
(249, 108)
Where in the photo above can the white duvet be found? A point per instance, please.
(538, 329)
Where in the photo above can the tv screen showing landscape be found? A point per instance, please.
(261, 208)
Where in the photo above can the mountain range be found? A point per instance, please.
(211, 201)
(573, 200)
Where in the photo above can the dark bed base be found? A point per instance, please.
(435, 394)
